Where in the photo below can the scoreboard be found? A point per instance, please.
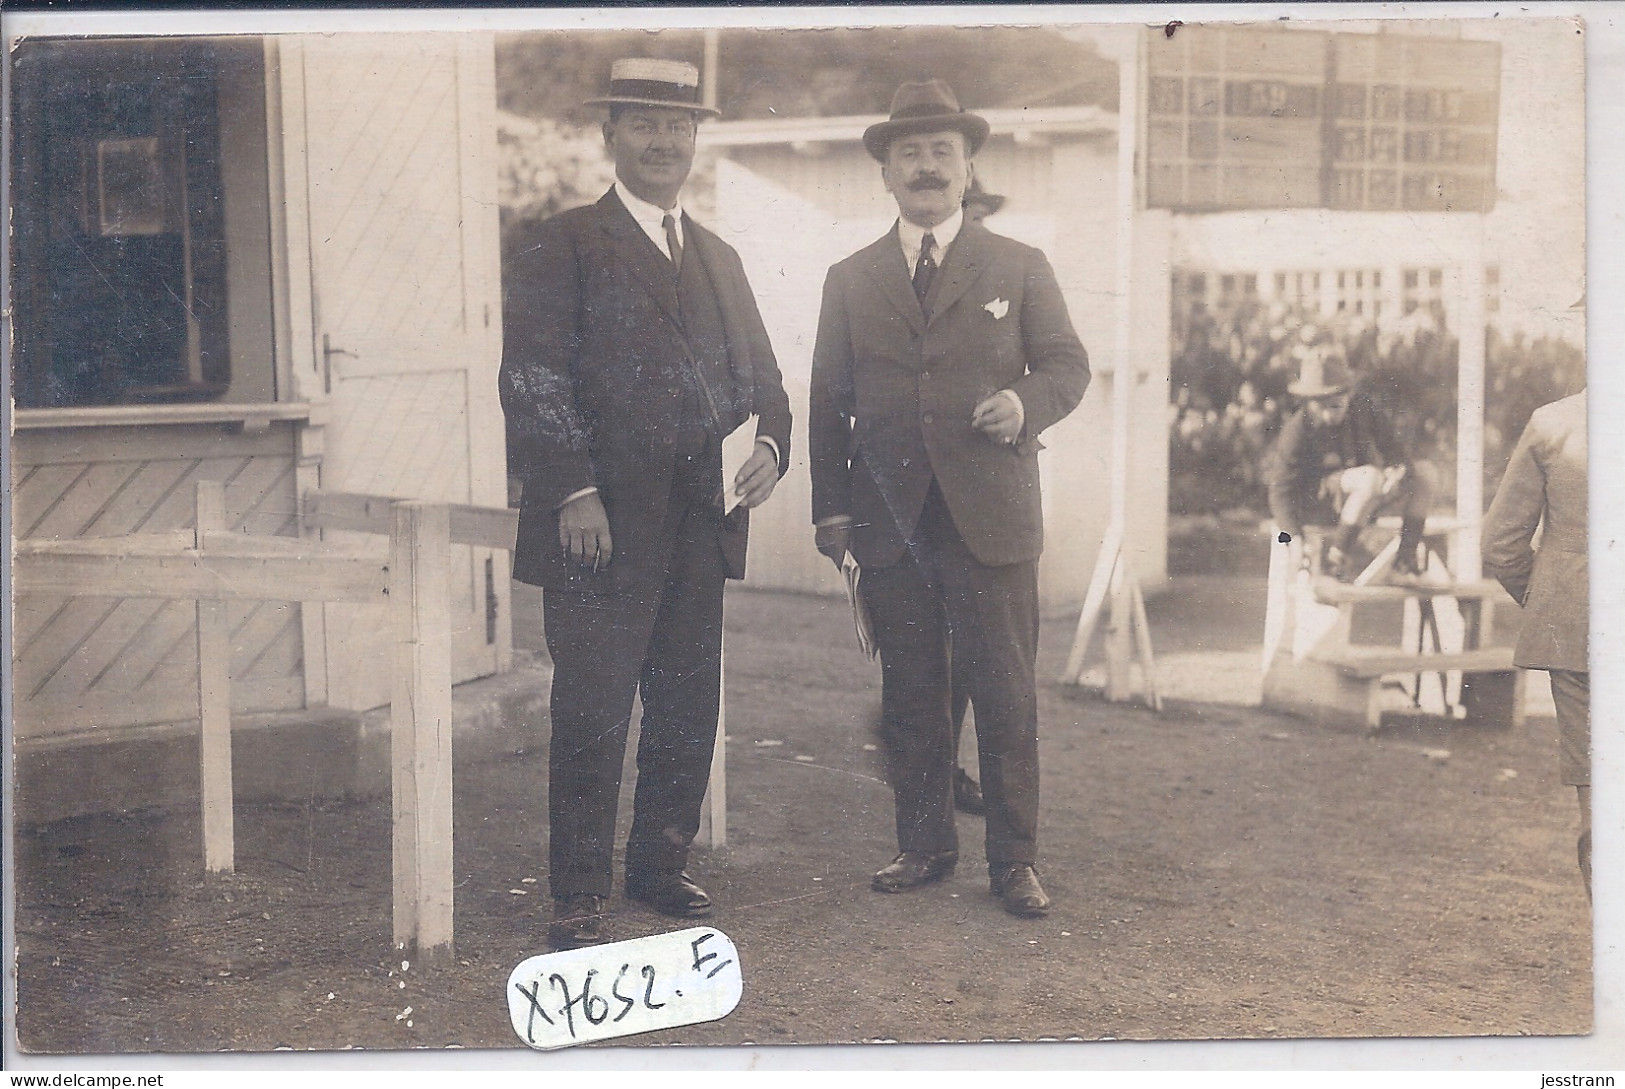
(1261, 117)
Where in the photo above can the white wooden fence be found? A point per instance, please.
(212, 566)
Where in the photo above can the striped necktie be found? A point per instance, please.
(925, 269)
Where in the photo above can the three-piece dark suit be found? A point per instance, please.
(619, 372)
(948, 524)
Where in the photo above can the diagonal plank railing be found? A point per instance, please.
(213, 566)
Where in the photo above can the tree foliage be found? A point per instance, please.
(810, 73)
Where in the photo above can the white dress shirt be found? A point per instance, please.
(912, 235)
(652, 218)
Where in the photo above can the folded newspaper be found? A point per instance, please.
(860, 612)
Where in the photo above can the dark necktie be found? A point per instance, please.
(925, 269)
(672, 244)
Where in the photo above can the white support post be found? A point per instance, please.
(1094, 601)
(1114, 576)
(420, 725)
(1142, 638)
(714, 814)
(1120, 638)
(214, 698)
(1466, 561)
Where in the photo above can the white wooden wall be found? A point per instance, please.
(390, 176)
(84, 664)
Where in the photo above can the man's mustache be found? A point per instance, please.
(927, 181)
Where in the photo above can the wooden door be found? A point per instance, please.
(395, 133)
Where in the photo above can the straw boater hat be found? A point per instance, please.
(1323, 374)
(924, 107)
(646, 81)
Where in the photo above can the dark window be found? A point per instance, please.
(120, 226)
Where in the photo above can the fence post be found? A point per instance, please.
(714, 813)
(420, 728)
(214, 697)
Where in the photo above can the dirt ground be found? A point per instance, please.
(1218, 872)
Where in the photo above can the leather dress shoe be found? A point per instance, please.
(1018, 889)
(911, 869)
(967, 794)
(578, 921)
(670, 892)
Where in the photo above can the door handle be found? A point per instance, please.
(328, 352)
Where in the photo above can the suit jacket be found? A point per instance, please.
(892, 393)
(1545, 485)
(594, 364)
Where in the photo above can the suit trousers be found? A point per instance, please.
(939, 590)
(657, 633)
(1571, 692)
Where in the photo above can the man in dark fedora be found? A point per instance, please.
(942, 351)
(979, 203)
(632, 347)
(1339, 462)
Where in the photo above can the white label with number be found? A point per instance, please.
(579, 996)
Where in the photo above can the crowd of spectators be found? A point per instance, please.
(1231, 364)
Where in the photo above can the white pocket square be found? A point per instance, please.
(998, 308)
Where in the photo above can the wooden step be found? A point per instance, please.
(1329, 591)
(1381, 661)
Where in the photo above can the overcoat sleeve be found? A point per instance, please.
(541, 356)
(1514, 514)
(1057, 364)
(830, 405)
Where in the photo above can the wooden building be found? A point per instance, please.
(269, 261)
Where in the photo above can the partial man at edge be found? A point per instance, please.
(1544, 492)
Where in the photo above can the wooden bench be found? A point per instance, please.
(1492, 688)
(1348, 688)
(1336, 652)
(1332, 592)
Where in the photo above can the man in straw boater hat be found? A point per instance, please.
(1339, 463)
(632, 346)
(942, 351)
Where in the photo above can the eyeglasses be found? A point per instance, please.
(644, 129)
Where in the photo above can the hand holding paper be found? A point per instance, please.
(749, 469)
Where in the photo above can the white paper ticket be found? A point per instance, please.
(579, 996)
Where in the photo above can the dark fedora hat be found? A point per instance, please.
(924, 107)
(975, 194)
(649, 81)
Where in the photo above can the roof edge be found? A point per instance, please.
(1020, 122)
